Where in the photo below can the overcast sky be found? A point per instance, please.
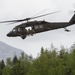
(19, 9)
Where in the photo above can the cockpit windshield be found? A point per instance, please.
(14, 30)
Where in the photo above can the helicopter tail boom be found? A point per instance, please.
(72, 21)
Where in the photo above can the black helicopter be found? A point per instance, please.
(32, 27)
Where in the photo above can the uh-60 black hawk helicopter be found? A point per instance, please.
(36, 26)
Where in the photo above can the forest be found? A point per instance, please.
(48, 62)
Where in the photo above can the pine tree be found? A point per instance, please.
(7, 71)
(2, 65)
(15, 60)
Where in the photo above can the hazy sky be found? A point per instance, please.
(19, 9)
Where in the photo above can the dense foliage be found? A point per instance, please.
(48, 62)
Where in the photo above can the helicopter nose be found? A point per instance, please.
(11, 34)
(8, 35)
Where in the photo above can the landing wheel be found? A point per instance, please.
(23, 36)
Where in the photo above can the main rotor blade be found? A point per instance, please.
(16, 20)
(26, 19)
(44, 15)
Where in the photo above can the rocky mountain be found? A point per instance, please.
(7, 51)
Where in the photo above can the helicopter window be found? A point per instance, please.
(28, 28)
(40, 26)
(14, 30)
(36, 27)
(19, 29)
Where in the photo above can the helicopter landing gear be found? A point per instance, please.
(23, 36)
(67, 30)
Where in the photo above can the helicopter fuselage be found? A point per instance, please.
(33, 27)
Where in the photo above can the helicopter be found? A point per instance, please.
(33, 27)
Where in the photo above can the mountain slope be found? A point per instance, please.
(8, 51)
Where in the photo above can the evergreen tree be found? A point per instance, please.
(0, 69)
(2, 65)
(42, 50)
(15, 60)
(9, 62)
(7, 71)
(49, 62)
(17, 70)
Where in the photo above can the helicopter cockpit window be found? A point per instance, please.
(19, 29)
(14, 30)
